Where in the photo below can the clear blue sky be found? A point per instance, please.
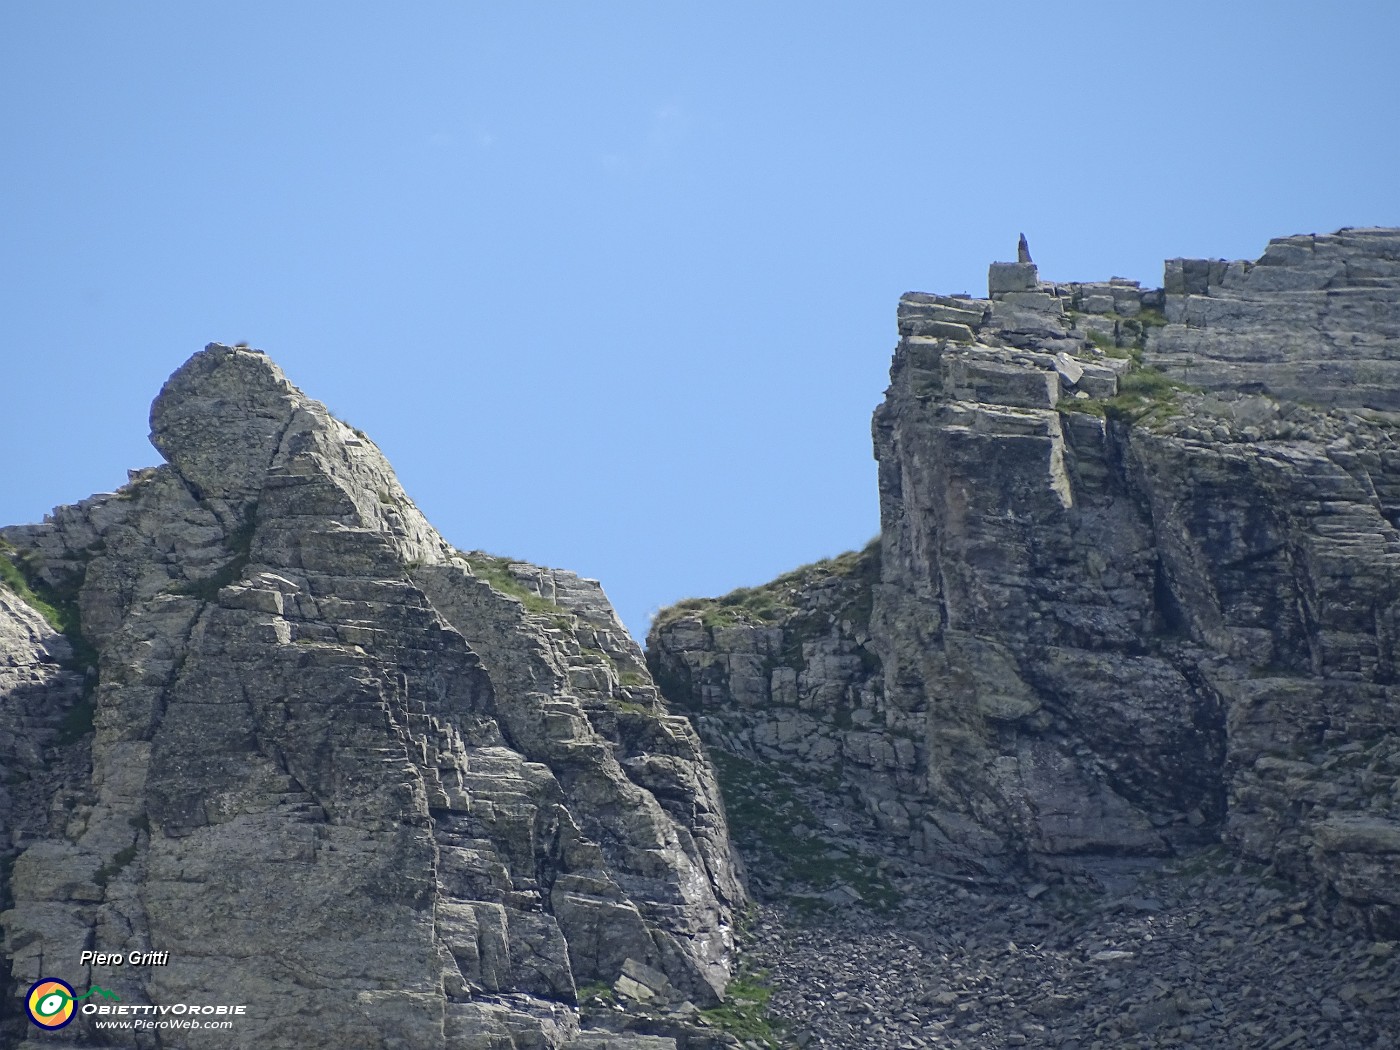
(613, 284)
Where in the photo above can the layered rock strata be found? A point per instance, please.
(384, 792)
(1112, 613)
(1315, 319)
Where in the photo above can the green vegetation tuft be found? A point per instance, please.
(1147, 382)
(774, 602)
(59, 606)
(13, 578)
(1102, 340)
(1087, 406)
(1143, 391)
(495, 570)
(743, 1013)
(56, 604)
(595, 992)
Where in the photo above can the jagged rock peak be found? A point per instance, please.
(220, 418)
(384, 791)
(229, 418)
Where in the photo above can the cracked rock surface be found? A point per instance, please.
(384, 792)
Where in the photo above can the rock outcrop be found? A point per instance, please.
(383, 792)
(1135, 591)
(1316, 319)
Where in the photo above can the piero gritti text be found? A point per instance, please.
(129, 959)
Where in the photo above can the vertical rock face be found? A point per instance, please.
(1115, 614)
(383, 792)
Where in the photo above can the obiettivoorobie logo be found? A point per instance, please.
(50, 1002)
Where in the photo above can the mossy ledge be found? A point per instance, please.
(772, 602)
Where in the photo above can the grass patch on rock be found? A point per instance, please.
(1143, 392)
(14, 578)
(495, 570)
(744, 1011)
(1086, 406)
(774, 602)
(1103, 340)
(595, 993)
(56, 604)
(59, 607)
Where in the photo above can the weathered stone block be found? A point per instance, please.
(918, 326)
(1000, 383)
(1126, 299)
(1069, 368)
(1098, 381)
(913, 310)
(1012, 277)
(1040, 302)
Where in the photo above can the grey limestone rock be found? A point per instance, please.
(383, 792)
(1011, 277)
(1109, 614)
(1316, 319)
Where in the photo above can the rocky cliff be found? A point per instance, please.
(383, 792)
(1135, 591)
